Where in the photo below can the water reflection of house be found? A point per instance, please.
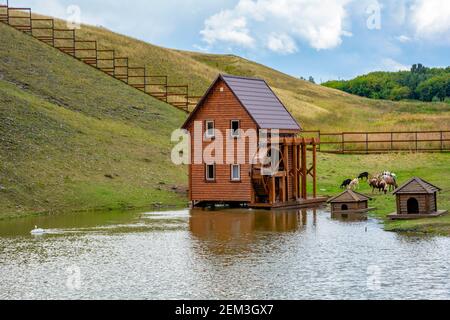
(241, 226)
(417, 199)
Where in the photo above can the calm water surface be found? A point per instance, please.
(230, 254)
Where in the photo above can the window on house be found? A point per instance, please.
(210, 172)
(236, 172)
(235, 128)
(210, 132)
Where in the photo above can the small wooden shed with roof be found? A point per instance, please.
(416, 199)
(349, 203)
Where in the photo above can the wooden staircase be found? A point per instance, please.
(106, 61)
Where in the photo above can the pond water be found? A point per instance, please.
(224, 254)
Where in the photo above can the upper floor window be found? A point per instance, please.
(210, 130)
(235, 128)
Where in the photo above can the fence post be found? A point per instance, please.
(442, 141)
(31, 25)
(166, 88)
(417, 143)
(367, 143)
(320, 140)
(53, 36)
(343, 143)
(392, 141)
(7, 12)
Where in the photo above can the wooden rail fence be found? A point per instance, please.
(105, 60)
(380, 142)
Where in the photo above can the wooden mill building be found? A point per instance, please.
(239, 104)
(416, 199)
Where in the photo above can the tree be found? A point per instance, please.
(400, 93)
(311, 79)
(419, 83)
(418, 68)
(436, 88)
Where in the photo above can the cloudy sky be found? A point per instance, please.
(327, 39)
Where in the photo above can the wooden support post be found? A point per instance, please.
(273, 191)
(253, 185)
(190, 182)
(295, 169)
(314, 168)
(286, 168)
(304, 171)
(299, 165)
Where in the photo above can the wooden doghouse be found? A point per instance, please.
(238, 105)
(416, 199)
(350, 205)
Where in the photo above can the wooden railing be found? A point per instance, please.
(381, 141)
(105, 60)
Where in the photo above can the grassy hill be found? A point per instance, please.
(74, 138)
(314, 106)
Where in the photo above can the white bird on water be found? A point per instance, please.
(37, 231)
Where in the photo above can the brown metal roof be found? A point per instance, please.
(259, 100)
(417, 185)
(349, 196)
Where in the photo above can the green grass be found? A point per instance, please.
(66, 129)
(333, 169)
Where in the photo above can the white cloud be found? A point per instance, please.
(431, 18)
(320, 24)
(281, 43)
(389, 64)
(403, 38)
(227, 27)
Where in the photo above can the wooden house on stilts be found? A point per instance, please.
(233, 108)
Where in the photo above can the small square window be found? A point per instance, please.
(210, 131)
(235, 128)
(210, 172)
(236, 172)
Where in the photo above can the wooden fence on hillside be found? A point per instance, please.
(105, 60)
(381, 142)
